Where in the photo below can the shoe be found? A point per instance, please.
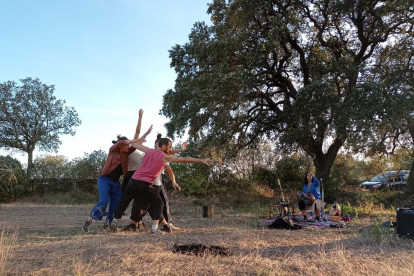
(88, 223)
(114, 225)
(173, 227)
(129, 228)
(156, 232)
(166, 229)
(141, 227)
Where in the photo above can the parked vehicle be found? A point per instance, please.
(389, 179)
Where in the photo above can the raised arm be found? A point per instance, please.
(138, 129)
(183, 147)
(172, 177)
(172, 158)
(142, 138)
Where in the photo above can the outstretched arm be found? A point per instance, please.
(142, 139)
(172, 177)
(172, 158)
(122, 143)
(138, 145)
(138, 129)
(183, 147)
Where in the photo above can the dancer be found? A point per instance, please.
(108, 182)
(135, 158)
(137, 214)
(141, 186)
(311, 184)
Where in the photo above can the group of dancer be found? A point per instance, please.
(142, 182)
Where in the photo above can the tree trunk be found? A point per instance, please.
(323, 165)
(324, 161)
(29, 164)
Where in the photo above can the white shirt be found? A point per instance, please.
(157, 181)
(134, 161)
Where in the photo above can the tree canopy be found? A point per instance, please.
(303, 73)
(31, 116)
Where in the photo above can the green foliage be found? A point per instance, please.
(380, 234)
(50, 166)
(89, 166)
(295, 72)
(12, 178)
(31, 116)
(74, 196)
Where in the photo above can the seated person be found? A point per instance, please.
(311, 184)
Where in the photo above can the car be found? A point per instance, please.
(390, 179)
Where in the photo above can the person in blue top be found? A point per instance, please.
(314, 188)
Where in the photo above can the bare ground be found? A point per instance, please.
(50, 242)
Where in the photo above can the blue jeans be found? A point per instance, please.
(109, 191)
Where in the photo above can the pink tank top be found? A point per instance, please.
(152, 165)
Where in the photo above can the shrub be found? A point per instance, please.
(12, 178)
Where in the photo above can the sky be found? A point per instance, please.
(106, 58)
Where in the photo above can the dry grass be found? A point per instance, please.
(8, 239)
(51, 243)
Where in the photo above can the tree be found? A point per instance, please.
(392, 130)
(50, 166)
(30, 116)
(296, 72)
(89, 166)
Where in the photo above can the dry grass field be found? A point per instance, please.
(50, 242)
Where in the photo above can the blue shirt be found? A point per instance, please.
(314, 188)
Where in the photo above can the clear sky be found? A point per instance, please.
(106, 58)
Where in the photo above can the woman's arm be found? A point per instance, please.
(142, 139)
(138, 145)
(172, 158)
(122, 143)
(172, 177)
(183, 147)
(138, 128)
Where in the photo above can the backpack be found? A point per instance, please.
(284, 223)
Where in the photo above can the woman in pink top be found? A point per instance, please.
(141, 185)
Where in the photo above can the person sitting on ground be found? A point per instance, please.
(311, 184)
(141, 187)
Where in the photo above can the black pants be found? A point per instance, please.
(137, 214)
(145, 194)
(302, 205)
(126, 179)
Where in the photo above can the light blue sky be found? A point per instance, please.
(107, 58)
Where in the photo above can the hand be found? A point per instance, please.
(207, 161)
(140, 113)
(176, 186)
(184, 146)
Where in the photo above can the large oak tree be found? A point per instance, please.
(31, 116)
(298, 72)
